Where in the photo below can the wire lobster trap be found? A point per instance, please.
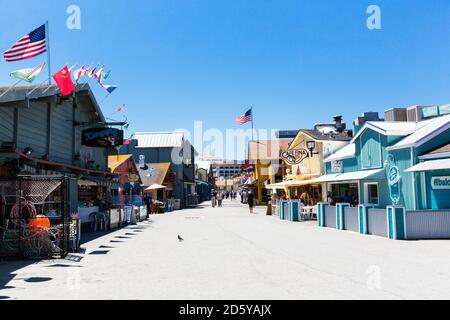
(34, 218)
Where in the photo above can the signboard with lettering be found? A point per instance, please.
(294, 157)
(440, 183)
(337, 167)
(102, 137)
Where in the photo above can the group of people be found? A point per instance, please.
(217, 197)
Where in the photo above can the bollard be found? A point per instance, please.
(396, 221)
(362, 219)
(340, 217)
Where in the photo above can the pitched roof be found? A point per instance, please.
(38, 92)
(155, 173)
(443, 149)
(320, 136)
(115, 161)
(346, 152)
(389, 128)
(267, 149)
(159, 139)
(425, 131)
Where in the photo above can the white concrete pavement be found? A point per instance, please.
(230, 254)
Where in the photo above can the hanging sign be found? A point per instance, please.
(337, 167)
(394, 179)
(440, 183)
(102, 137)
(294, 157)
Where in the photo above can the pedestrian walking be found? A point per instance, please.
(213, 198)
(220, 199)
(251, 201)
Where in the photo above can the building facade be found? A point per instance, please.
(167, 147)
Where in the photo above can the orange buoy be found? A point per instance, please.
(40, 221)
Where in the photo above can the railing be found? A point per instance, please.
(377, 222)
(427, 225)
(330, 217)
(351, 218)
(393, 222)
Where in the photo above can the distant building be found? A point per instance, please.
(171, 147)
(226, 169)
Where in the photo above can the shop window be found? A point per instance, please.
(371, 194)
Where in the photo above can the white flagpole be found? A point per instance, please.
(47, 34)
(251, 111)
(15, 84)
(9, 89)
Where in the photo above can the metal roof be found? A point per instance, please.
(442, 164)
(376, 174)
(394, 128)
(347, 152)
(39, 92)
(425, 131)
(159, 139)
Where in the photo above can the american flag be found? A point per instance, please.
(29, 46)
(246, 117)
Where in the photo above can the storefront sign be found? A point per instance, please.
(394, 179)
(337, 167)
(440, 183)
(141, 160)
(102, 137)
(294, 157)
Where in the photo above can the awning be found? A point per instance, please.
(353, 176)
(291, 183)
(86, 183)
(433, 165)
(155, 187)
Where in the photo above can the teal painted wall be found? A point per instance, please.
(437, 199)
(371, 154)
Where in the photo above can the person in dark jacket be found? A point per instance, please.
(251, 201)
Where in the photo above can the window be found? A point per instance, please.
(371, 193)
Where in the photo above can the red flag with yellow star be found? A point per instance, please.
(64, 82)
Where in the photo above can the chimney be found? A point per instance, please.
(338, 123)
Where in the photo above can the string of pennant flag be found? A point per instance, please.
(35, 44)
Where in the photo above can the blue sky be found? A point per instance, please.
(297, 62)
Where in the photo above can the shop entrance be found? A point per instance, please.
(311, 194)
(344, 193)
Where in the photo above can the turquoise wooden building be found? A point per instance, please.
(400, 163)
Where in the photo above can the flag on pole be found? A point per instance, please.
(246, 117)
(92, 72)
(99, 74)
(121, 108)
(27, 47)
(64, 82)
(109, 88)
(106, 75)
(28, 74)
(79, 73)
(247, 166)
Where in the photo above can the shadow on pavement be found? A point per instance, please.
(8, 271)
